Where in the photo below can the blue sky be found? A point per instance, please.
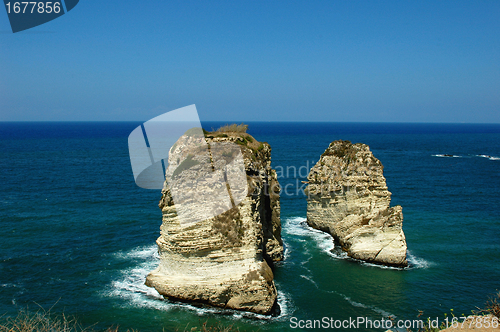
(369, 61)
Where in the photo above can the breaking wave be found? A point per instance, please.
(446, 155)
(417, 262)
(130, 287)
(488, 157)
(298, 226)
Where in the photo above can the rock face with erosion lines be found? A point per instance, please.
(221, 223)
(348, 198)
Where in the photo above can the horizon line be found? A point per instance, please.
(251, 121)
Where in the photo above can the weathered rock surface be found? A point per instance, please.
(224, 260)
(348, 198)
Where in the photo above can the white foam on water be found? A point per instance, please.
(307, 270)
(325, 243)
(286, 305)
(287, 250)
(11, 285)
(295, 226)
(8, 285)
(294, 237)
(323, 240)
(489, 157)
(414, 262)
(417, 262)
(306, 261)
(446, 156)
(366, 306)
(339, 254)
(130, 286)
(380, 266)
(298, 226)
(139, 253)
(352, 302)
(310, 279)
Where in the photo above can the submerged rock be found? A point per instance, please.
(221, 223)
(348, 198)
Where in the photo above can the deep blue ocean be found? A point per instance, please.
(78, 236)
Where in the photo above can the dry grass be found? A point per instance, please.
(232, 128)
(492, 306)
(205, 327)
(43, 320)
(40, 321)
(237, 133)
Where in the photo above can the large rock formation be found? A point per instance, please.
(224, 258)
(348, 198)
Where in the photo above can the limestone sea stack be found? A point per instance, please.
(348, 198)
(218, 243)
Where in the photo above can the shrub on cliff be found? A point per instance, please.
(232, 128)
(40, 321)
(492, 306)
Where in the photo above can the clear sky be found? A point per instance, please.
(368, 61)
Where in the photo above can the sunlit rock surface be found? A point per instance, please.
(221, 223)
(348, 198)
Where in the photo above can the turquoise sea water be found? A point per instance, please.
(78, 235)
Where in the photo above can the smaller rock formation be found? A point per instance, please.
(348, 198)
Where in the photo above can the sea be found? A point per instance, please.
(78, 235)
